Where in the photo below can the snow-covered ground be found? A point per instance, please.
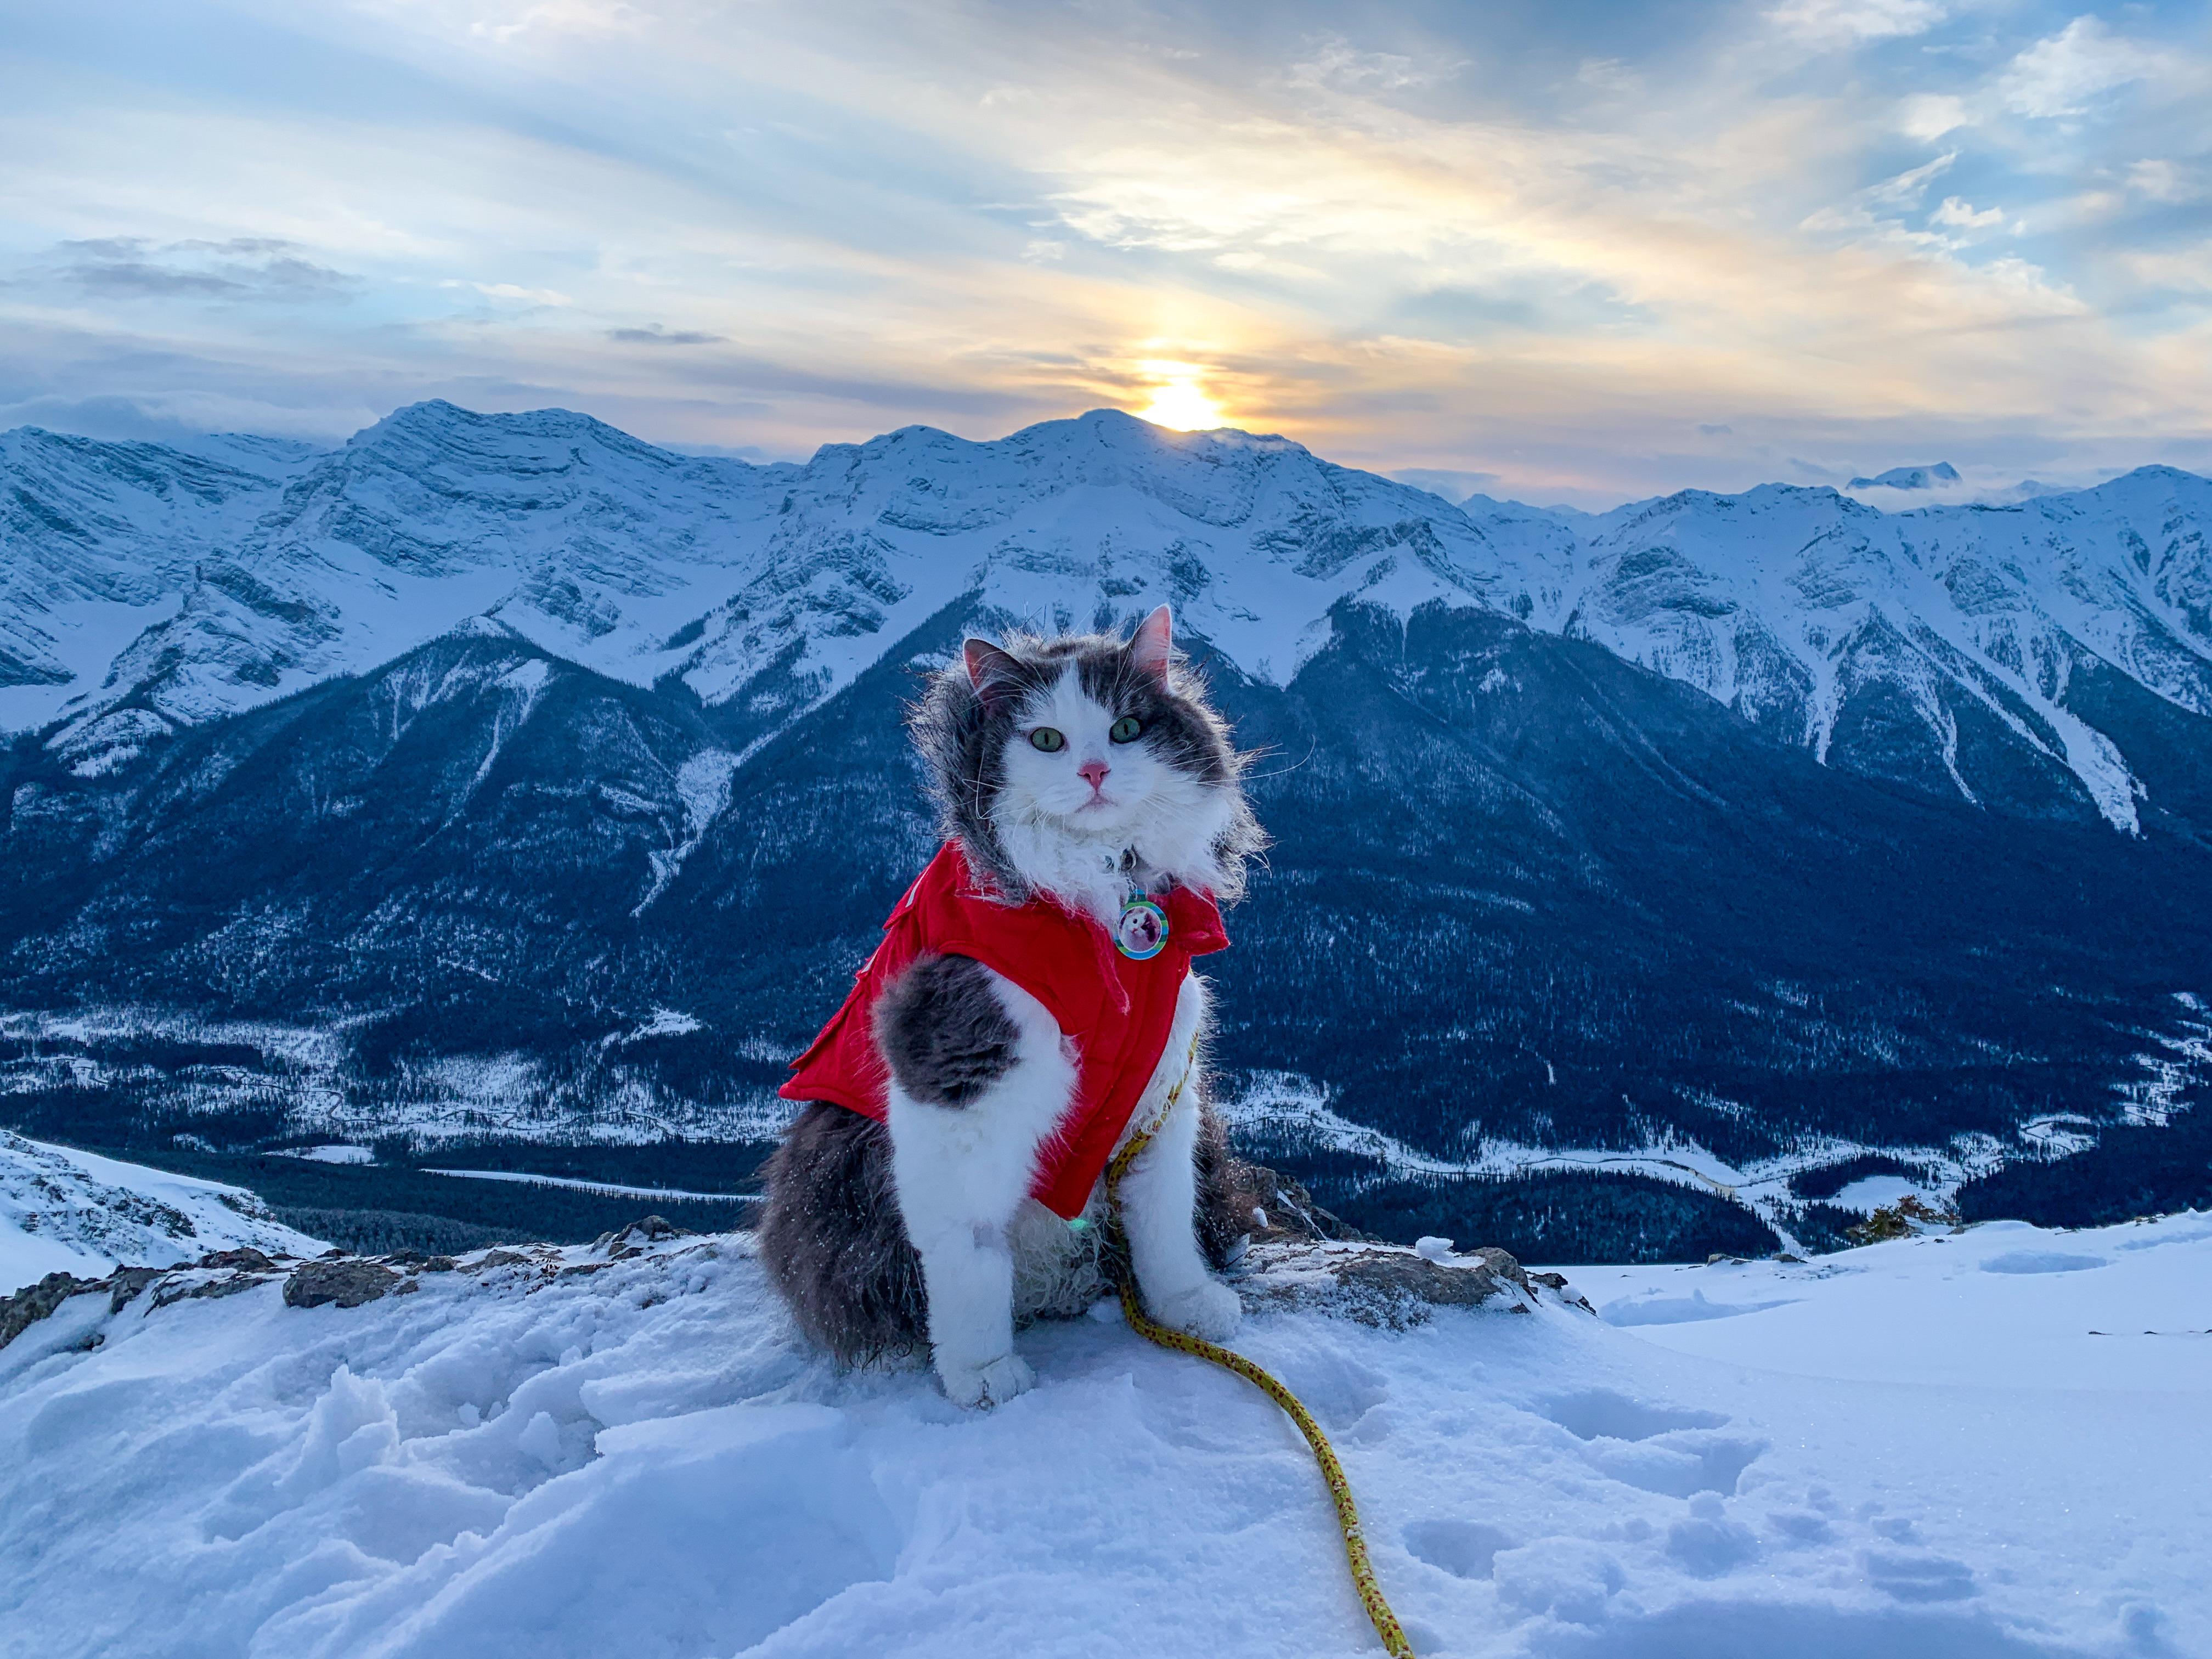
(1920, 1448)
(64, 1211)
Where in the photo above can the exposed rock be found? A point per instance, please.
(124, 1284)
(1908, 1216)
(189, 1289)
(628, 1240)
(245, 1257)
(348, 1282)
(1386, 1284)
(19, 1312)
(1275, 1209)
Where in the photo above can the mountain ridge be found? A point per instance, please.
(1914, 635)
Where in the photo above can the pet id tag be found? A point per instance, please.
(1142, 932)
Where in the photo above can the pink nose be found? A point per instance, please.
(1094, 774)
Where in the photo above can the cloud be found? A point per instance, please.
(1929, 116)
(1453, 485)
(654, 334)
(1907, 188)
(1961, 215)
(2165, 181)
(2065, 74)
(534, 296)
(239, 268)
(2183, 271)
(1713, 429)
(1849, 22)
(1333, 61)
(584, 17)
(1880, 204)
(1608, 74)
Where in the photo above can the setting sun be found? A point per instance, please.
(1179, 403)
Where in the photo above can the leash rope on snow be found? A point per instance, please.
(1339, 1489)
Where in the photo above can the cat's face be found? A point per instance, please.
(1054, 755)
(1091, 753)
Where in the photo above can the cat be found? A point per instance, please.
(1086, 791)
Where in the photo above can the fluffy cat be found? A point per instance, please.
(1072, 773)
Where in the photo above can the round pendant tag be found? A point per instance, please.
(1142, 932)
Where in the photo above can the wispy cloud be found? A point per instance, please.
(1843, 22)
(1333, 61)
(656, 335)
(2068, 73)
(239, 268)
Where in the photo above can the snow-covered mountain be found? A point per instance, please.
(643, 564)
(403, 789)
(2045, 658)
(2001, 654)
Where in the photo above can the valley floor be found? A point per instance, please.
(1921, 1448)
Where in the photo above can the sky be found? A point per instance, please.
(1565, 252)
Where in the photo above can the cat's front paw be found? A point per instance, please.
(991, 1383)
(1208, 1310)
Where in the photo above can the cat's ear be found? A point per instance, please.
(1152, 647)
(990, 671)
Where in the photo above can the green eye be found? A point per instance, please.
(1127, 729)
(1046, 738)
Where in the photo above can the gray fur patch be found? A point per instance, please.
(834, 1242)
(944, 1032)
(1218, 1218)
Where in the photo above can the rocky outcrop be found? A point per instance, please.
(1269, 1207)
(19, 1312)
(347, 1280)
(629, 1241)
(1296, 1256)
(1387, 1285)
(221, 1272)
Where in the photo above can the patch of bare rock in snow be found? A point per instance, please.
(65, 1211)
(1915, 1449)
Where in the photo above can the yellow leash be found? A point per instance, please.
(1339, 1489)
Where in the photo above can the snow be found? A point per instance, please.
(341, 1153)
(532, 1179)
(1276, 1112)
(1917, 1448)
(1872, 1193)
(65, 1211)
(2114, 1316)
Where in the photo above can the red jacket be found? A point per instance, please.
(1117, 1009)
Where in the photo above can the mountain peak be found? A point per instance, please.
(1909, 477)
(436, 418)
